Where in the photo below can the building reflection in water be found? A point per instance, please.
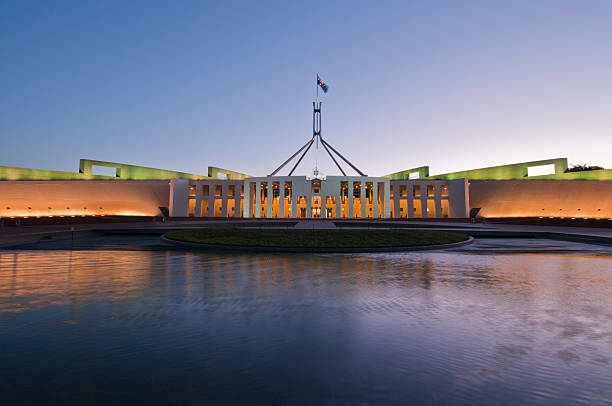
(31, 280)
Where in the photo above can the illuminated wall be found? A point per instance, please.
(133, 172)
(78, 198)
(542, 198)
(122, 172)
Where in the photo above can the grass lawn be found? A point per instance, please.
(316, 238)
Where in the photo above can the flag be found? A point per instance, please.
(322, 84)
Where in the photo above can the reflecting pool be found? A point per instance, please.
(130, 327)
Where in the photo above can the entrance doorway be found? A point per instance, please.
(316, 207)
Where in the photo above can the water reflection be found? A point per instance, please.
(434, 327)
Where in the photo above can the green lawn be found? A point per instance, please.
(316, 238)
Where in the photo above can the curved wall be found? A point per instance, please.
(83, 197)
(542, 198)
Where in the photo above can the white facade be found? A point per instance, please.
(338, 197)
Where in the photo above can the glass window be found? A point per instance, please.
(403, 191)
(231, 190)
(430, 191)
(416, 190)
(357, 189)
(192, 190)
(205, 190)
(218, 190)
(444, 190)
(391, 192)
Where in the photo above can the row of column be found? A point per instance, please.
(323, 196)
(410, 207)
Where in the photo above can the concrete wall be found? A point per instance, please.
(542, 198)
(83, 197)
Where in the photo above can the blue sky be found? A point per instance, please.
(186, 84)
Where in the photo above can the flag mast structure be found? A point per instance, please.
(316, 136)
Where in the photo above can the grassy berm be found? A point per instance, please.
(316, 238)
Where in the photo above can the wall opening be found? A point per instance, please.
(431, 208)
(231, 208)
(541, 170)
(103, 170)
(417, 208)
(403, 204)
(218, 207)
(192, 204)
(445, 208)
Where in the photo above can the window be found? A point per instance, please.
(344, 192)
(192, 190)
(205, 190)
(416, 190)
(218, 190)
(430, 191)
(403, 191)
(391, 192)
(192, 204)
(287, 192)
(231, 190)
(242, 190)
(357, 189)
(444, 190)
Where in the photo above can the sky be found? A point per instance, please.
(184, 85)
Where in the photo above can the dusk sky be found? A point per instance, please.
(183, 85)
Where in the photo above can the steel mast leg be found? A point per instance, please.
(343, 158)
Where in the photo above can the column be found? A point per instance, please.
(362, 198)
(350, 199)
(387, 188)
(308, 208)
(281, 200)
(374, 199)
(246, 198)
(269, 199)
(293, 202)
(198, 206)
(410, 203)
(224, 193)
(257, 199)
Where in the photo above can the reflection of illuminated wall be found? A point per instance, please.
(35, 280)
(545, 198)
(77, 198)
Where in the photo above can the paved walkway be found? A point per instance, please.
(316, 225)
(13, 235)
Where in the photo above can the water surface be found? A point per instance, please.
(100, 327)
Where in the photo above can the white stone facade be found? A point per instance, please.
(337, 197)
